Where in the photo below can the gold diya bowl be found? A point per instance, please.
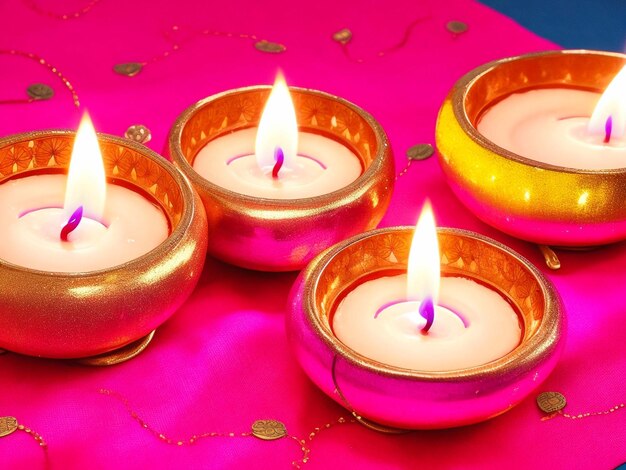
(383, 396)
(283, 235)
(82, 314)
(531, 200)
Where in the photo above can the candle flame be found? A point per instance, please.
(424, 266)
(86, 179)
(278, 128)
(611, 108)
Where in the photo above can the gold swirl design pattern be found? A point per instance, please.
(460, 256)
(232, 112)
(53, 152)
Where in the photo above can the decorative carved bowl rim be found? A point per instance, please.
(536, 345)
(178, 230)
(372, 172)
(462, 93)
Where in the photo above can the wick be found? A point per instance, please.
(72, 223)
(427, 310)
(608, 128)
(279, 157)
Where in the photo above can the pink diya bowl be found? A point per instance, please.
(383, 396)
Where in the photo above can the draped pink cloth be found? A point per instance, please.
(223, 361)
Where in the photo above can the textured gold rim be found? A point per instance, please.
(329, 200)
(158, 252)
(530, 352)
(464, 86)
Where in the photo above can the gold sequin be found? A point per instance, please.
(129, 69)
(420, 152)
(268, 429)
(40, 91)
(343, 36)
(550, 402)
(456, 27)
(269, 47)
(138, 133)
(8, 425)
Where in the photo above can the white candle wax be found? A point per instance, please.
(31, 217)
(322, 166)
(473, 325)
(550, 125)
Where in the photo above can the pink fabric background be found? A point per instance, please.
(222, 361)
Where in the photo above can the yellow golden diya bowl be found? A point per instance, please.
(259, 231)
(384, 395)
(65, 313)
(570, 203)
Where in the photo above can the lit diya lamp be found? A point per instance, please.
(76, 222)
(93, 257)
(380, 331)
(535, 145)
(422, 321)
(566, 127)
(283, 172)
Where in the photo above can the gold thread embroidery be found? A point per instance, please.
(50, 67)
(265, 430)
(33, 5)
(553, 403)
